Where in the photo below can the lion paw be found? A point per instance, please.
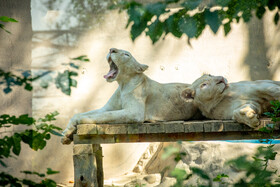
(65, 140)
(247, 116)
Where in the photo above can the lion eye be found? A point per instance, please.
(203, 85)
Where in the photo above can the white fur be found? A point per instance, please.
(137, 99)
(243, 101)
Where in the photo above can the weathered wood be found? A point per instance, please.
(136, 128)
(195, 126)
(174, 126)
(88, 158)
(168, 131)
(172, 137)
(155, 128)
(85, 170)
(97, 149)
(87, 129)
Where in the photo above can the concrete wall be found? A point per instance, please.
(250, 51)
(15, 57)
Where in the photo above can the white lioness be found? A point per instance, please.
(242, 101)
(137, 98)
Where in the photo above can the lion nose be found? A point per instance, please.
(113, 50)
(220, 79)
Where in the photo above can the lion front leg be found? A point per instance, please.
(70, 130)
(246, 115)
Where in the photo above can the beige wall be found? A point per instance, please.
(243, 55)
(15, 57)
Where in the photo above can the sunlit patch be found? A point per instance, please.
(51, 16)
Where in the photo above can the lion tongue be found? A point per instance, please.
(110, 74)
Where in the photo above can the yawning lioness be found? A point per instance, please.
(137, 99)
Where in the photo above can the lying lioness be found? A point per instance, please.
(243, 101)
(137, 98)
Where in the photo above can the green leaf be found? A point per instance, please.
(171, 1)
(168, 151)
(7, 19)
(199, 17)
(227, 28)
(3, 163)
(55, 133)
(74, 65)
(223, 3)
(7, 90)
(156, 8)
(48, 136)
(200, 173)
(81, 58)
(276, 18)
(28, 87)
(3, 27)
(74, 83)
(188, 26)
(51, 172)
(260, 12)
(16, 144)
(265, 129)
(171, 25)
(155, 31)
(246, 15)
(24, 119)
(191, 4)
(212, 19)
(33, 173)
(179, 174)
(271, 4)
(136, 30)
(136, 13)
(48, 183)
(218, 178)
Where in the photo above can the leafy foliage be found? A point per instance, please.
(36, 138)
(6, 179)
(275, 114)
(192, 16)
(6, 19)
(255, 168)
(63, 81)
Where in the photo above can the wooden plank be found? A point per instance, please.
(137, 128)
(174, 127)
(94, 139)
(155, 128)
(194, 126)
(213, 126)
(97, 149)
(84, 129)
(112, 128)
(172, 137)
(231, 126)
(85, 170)
(118, 133)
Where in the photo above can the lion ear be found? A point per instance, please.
(141, 68)
(188, 95)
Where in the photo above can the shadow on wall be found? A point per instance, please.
(256, 59)
(261, 40)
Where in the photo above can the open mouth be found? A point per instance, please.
(112, 74)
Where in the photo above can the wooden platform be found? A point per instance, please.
(168, 132)
(87, 151)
